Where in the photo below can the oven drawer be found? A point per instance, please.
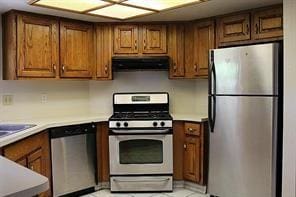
(192, 128)
(141, 183)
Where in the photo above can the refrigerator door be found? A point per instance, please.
(242, 147)
(248, 70)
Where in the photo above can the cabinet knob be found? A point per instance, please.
(54, 67)
(63, 68)
(136, 46)
(195, 67)
(257, 28)
(247, 29)
(144, 44)
(185, 146)
(190, 130)
(106, 69)
(175, 67)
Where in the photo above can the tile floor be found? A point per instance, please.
(176, 193)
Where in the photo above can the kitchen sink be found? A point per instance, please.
(8, 129)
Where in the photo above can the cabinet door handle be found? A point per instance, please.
(185, 146)
(63, 68)
(247, 29)
(136, 45)
(145, 44)
(106, 69)
(257, 28)
(54, 67)
(175, 67)
(191, 130)
(195, 67)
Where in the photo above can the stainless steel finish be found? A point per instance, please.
(166, 167)
(246, 70)
(73, 163)
(141, 124)
(141, 183)
(151, 131)
(242, 147)
(154, 98)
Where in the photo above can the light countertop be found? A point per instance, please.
(18, 181)
(50, 122)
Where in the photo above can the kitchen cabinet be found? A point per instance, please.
(176, 49)
(32, 152)
(103, 35)
(268, 23)
(204, 40)
(126, 39)
(103, 152)
(77, 49)
(234, 28)
(249, 27)
(154, 39)
(189, 147)
(31, 44)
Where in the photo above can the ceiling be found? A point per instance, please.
(203, 10)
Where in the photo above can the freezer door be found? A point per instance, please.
(249, 70)
(242, 147)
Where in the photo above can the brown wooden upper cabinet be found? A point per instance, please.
(176, 47)
(126, 39)
(268, 23)
(204, 40)
(234, 28)
(154, 39)
(31, 46)
(103, 52)
(77, 49)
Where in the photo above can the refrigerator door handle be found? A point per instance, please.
(212, 75)
(212, 112)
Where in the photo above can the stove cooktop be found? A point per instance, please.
(121, 116)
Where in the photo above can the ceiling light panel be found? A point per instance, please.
(159, 4)
(73, 5)
(120, 11)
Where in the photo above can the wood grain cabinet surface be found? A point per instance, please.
(268, 23)
(154, 39)
(176, 50)
(77, 49)
(103, 35)
(126, 39)
(37, 46)
(189, 151)
(33, 153)
(234, 28)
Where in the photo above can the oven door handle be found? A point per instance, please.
(143, 180)
(118, 131)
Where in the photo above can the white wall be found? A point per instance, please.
(289, 165)
(64, 97)
(186, 96)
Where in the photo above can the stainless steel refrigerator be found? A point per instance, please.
(243, 120)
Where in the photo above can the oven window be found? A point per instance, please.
(141, 151)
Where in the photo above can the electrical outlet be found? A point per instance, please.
(7, 100)
(43, 98)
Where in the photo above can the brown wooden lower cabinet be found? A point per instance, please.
(189, 151)
(103, 152)
(32, 152)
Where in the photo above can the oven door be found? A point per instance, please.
(141, 154)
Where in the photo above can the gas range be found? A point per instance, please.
(141, 143)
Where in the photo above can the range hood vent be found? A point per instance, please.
(135, 63)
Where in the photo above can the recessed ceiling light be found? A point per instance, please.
(159, 4)
(120, 11)
(73, 5)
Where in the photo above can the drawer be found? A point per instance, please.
(192, 128)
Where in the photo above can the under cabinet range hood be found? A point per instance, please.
(142, 63)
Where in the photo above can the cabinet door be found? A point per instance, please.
(176, 47)
(192, 154)
(77, 54)
(154, 39)
(204, 36)
(268, 23)
(103, 52)
(37, 46)
(126, 39)
(234, 28)
(34, 161)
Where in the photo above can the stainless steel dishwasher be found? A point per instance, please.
(73, 152)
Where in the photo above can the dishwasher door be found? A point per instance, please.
(73, 163)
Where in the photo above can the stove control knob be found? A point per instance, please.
(118, 124)
(155, 124)
(162, 124)
(125, 124)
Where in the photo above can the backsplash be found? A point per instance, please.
(186, 96)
